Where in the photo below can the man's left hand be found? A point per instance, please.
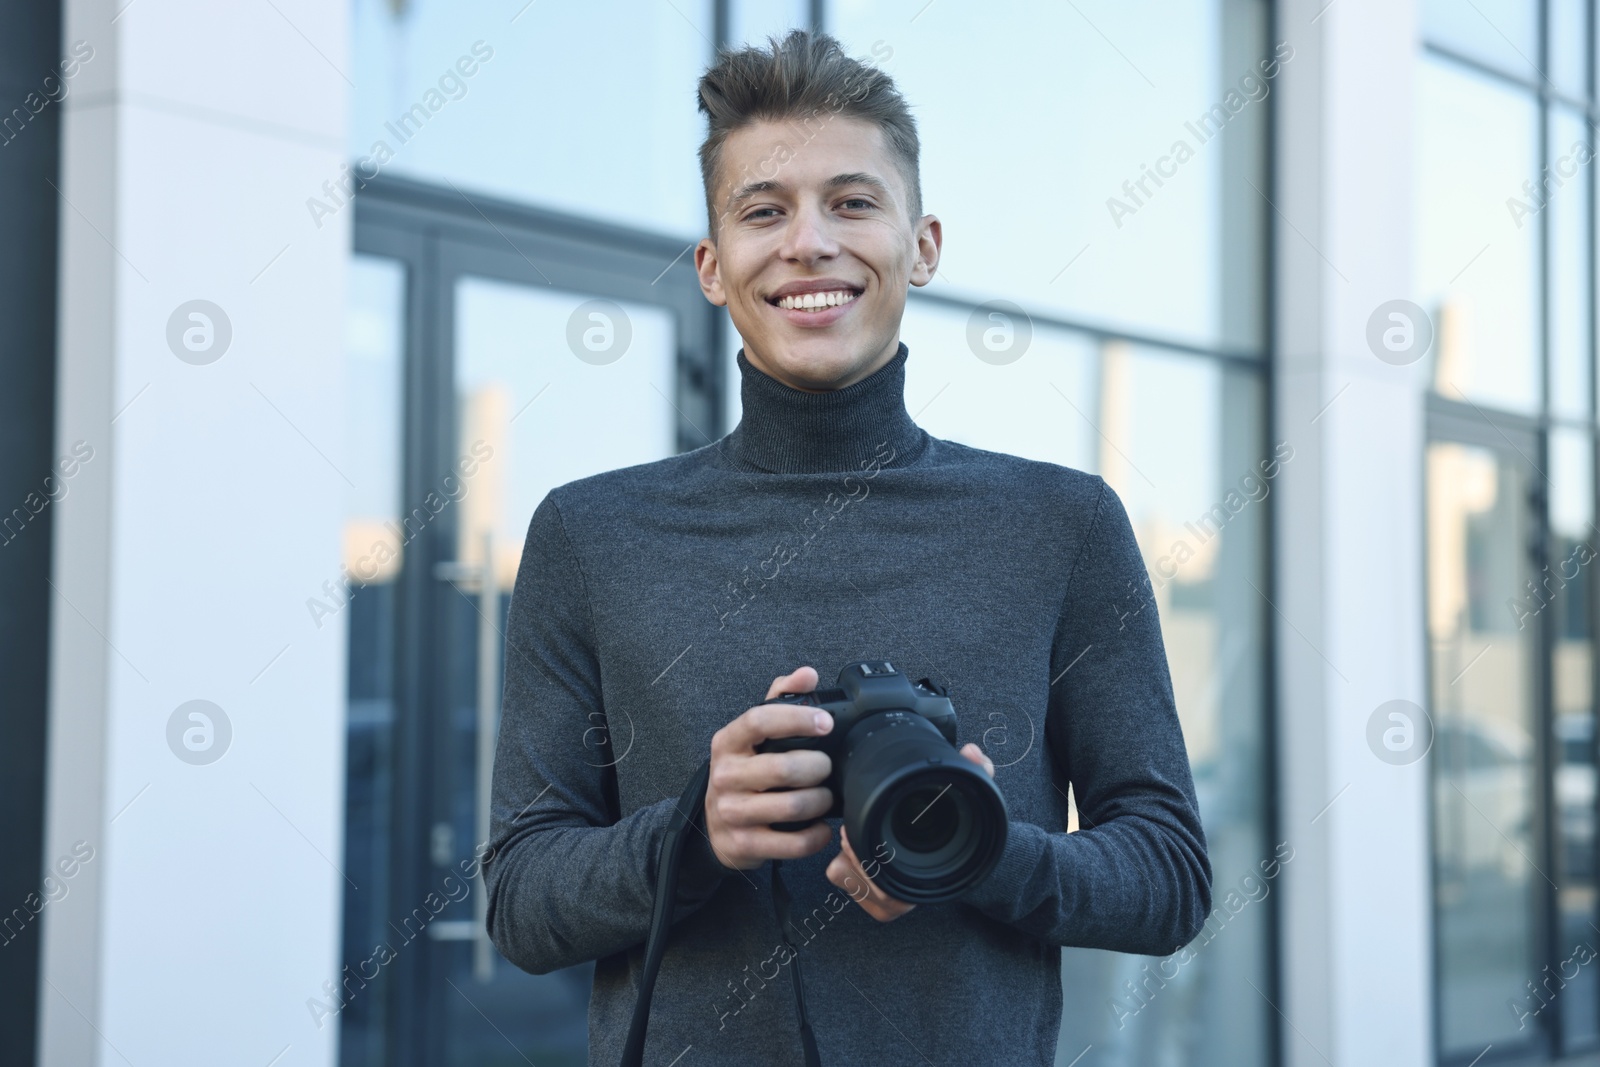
(846, 872)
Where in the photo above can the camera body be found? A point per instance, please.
(865, 688)
(898, 781)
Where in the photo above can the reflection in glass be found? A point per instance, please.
(1569, 32)
(1185, 262)
(1477, 258)
(1502, 33)
(753, 21)
(1565, 588)
(373, 374)
(1039, 406)
(1568, 204)
(1485, 813)
(548, 416)
(534, 416)
(586, 108)
(1196, 485)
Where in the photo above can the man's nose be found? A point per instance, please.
(809, 237)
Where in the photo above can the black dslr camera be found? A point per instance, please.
(899, 782)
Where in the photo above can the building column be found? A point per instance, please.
(33, 80)
(1348, 582)
(196, 732)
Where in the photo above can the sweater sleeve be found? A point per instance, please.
(1135, 877)
(569, 878)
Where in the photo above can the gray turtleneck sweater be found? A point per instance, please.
(656, 603)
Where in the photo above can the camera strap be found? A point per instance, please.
(780, 908)
(689, 817)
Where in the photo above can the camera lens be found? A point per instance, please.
(931, 820)
(926, 819)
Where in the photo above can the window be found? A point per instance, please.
(1505, 245)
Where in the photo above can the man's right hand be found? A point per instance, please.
(739, 808)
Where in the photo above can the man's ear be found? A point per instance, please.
(705, 265)
(930, 238)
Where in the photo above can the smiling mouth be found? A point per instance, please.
(815, 301)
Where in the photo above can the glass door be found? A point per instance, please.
(527, 412)
(1492, 875)
(539, 349)
(1568, 604)
(365, 601)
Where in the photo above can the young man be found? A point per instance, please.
(655, 603)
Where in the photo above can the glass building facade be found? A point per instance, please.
(1505, 270)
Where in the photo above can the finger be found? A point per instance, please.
(771, 770)
(853, 862)
(779, 844)
(845, 849)
(800, 680)
(890, 912)
(887, 912)
(842, 874)
(848, 876)
(975, 754)
(848, 849)
(763, 809)
(765, 721)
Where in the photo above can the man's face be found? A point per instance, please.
(814, 248)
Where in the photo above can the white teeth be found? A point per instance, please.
(816, 300)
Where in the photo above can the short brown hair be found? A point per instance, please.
(805, 75)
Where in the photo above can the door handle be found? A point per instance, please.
(481, 580)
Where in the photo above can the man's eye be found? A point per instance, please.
(855, 203)
(760, 212)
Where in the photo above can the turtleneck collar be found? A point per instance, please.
(784, 430)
